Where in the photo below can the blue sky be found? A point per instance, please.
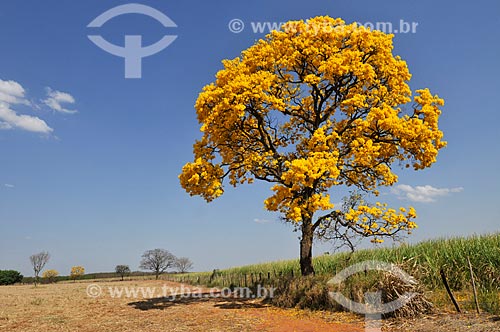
(89, 160)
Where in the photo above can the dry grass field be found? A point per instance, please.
(67, 307)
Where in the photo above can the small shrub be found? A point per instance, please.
(303, 292)
(36, 301)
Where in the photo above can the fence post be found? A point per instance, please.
(473, 285)
(445, 282)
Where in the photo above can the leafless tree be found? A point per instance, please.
(157, 260)
(183, 264)
(122, 270)
(38, 262)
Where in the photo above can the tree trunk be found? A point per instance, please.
(306, 266)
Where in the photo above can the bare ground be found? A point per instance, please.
(67, 307)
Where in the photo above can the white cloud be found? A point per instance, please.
(56, 98)
(5, 125)
(12, 92)
(8, 185)
(261, 221)
(423, 194)
(10, 119)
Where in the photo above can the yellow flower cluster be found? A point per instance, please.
(202, 178)
(312, 106)
(377, 221)
(294, 209)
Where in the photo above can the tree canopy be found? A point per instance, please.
(157, 260)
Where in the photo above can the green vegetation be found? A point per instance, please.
(423, 261)
(10, 277)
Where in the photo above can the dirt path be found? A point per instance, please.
(67, 307)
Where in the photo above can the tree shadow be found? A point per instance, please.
(162, 303)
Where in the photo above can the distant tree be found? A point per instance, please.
(122, 270)
(38, 262)
(50, 275)
(10, 277)
(183, 264)
(77, 272)
(157, 260)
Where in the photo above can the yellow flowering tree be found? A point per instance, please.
(316, 105)
(50, 275)
(77, 272)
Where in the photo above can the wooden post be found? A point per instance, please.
(473, 285)
(445, 282)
